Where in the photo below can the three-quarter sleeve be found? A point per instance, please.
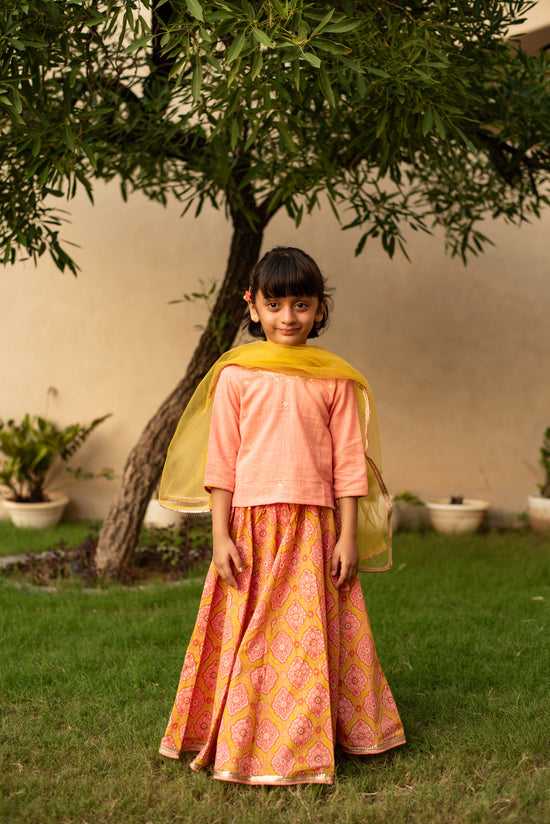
(224, 439)
(349, 470)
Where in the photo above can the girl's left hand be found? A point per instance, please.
(345, 563)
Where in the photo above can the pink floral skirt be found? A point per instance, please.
(280, 670)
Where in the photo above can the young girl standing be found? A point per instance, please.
(281, 665)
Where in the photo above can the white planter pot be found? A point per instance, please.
(454, 518)
(538, 512)
(37, 516)
(158, 517)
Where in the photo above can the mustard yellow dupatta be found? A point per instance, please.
(182, 483)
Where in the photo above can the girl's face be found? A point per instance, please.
(286, 320)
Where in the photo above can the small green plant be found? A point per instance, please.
(409, 498)
(207, 296)
(544, 488)
(34, 453)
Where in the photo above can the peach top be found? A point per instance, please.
(278, 438)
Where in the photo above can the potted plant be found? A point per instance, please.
(538, 506)
(456, 514)
(403, 504)
(35, 451)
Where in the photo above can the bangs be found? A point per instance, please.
(287, 276)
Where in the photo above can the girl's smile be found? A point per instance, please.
(287, 320)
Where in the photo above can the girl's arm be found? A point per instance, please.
(345, 558)
(225, 554)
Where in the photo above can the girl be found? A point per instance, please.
(282, 665)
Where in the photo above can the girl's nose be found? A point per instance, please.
(288, 315)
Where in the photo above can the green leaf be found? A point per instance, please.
(89, 154)
(195, 9)
(68, 137)
(286, 136)
(343, 26)
(427, 122)
(333, 48)
(97, 18)
(236, 47)
(141, 43)
(262, 38)
(17, 43)
(381, 124)
(326, 87)
(233, 73)
(196, 81)
(296, 73)
(326, 19)
(16, 100)
(312, 59)
(466, 139)
(234, 133)
(377, 72)
(257, 67)
(42, 178)
(439, 125)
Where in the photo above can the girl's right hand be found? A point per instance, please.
(227, 561)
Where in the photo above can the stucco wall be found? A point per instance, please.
(455, 355)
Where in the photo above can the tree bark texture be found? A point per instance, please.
(120, 532)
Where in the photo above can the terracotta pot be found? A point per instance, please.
(454, 518)
(538, 512)
(37, 516)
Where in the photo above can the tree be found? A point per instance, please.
(399, 114)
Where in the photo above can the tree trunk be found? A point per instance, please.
(120, 532)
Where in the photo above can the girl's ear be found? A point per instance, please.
(321, 311)
(253, 314)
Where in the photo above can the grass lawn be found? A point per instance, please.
(87, 681)
(15, 541)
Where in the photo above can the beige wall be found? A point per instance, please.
(455, 355)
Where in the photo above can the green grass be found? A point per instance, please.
(15, 540)
(87, 681)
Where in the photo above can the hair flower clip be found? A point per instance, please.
(248, 297)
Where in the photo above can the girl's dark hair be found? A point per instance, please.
(285, 271)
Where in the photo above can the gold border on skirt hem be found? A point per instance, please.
(387, 745)
(169, 753)
(226, 775)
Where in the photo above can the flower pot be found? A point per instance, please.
(158, 517)
(454, 518)
(37, 516)
(538, 513)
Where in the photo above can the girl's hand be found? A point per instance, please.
(345, 558)
(227, 561)
(345, 562)
(225, 554)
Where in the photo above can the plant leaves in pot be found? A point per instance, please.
(34, 452)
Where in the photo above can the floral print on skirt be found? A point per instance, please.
(283, 668)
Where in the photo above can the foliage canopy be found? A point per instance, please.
(416, 113)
